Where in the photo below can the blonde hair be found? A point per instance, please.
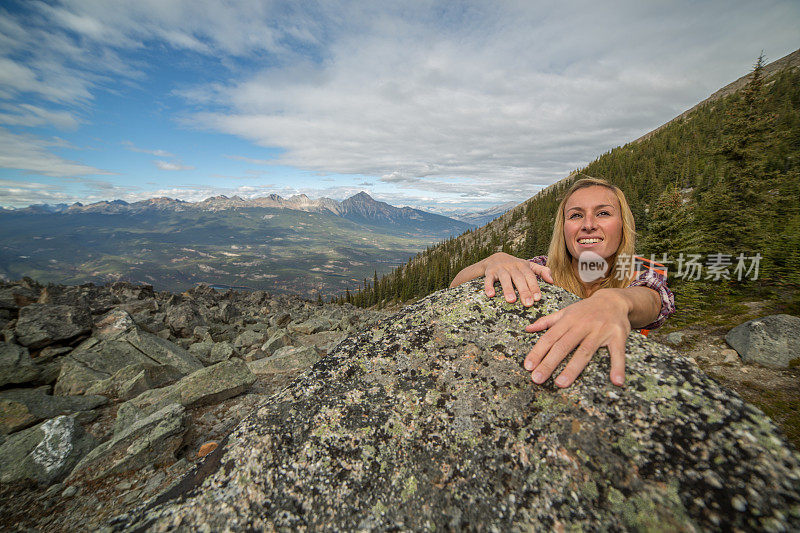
(559, 260)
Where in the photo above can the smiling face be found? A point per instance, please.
(592, 222)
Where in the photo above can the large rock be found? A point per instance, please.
(313, 325)
(152, 440)
(118, 343)
(21, 408)
(42, 324)
(430, 422)
(210, 385)
(183, 318)
(16, 366)
(132, 380)
(276, 341)
(45, 453)
(772, 341)
(286, 359)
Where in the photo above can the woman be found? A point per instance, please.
(594, 227)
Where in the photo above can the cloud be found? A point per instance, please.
(506, 100)
(468, 100)
(167, 165)
(29, 153)
(30, 115)
(158, 153)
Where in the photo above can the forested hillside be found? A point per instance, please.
(720, 181)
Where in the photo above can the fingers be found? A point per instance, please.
(543, 271)
(508, 286)
(583, 354)
(617, 350)
(488, 285)
(555, 355)
(530, 292)
(544, 322)
(545, 342)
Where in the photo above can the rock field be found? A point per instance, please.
(109, 394)
(126, 409)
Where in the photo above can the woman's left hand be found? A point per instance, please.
(600, 320)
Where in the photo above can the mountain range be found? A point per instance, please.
(284, 245)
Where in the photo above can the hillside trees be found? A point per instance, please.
(725, 178)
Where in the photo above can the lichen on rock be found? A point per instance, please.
(429, 421)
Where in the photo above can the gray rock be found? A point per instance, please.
(286, 359)
(183, 318)
(45, 453)
(278, 340)
(248, 339)
(41, 324)
(280, 319)
(675, 338)
(209, 385)
(15, 296)
(21, 408)
(16, 366)
(118, 343)
(312, 325)
(772, 341)
(430, 422)
(132, 380)
(324, 340)
(153, 440)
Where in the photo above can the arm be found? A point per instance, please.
(511, 272)
(603, 319)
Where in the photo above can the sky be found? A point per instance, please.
(453, 105)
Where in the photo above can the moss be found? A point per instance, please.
(409, 488)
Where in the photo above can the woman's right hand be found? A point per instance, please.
(513, 272)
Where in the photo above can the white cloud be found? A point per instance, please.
(158, 153)
(168, 165)
(30, 153)
(426, 99)
(30, 115)
(505, 99)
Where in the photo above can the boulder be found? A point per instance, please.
(675, 338)
(288, 358)
(151, 441)
(324, 340)
(771, 341)
(21, 408)
(12, 297)
(209, 385)
(429, 421)
(45, 453)
(313, 325)
(132, 380)
(118, 343)
(278, 340)
(42, 324)
(182, 318)
(281, 319)
(16, 366)
(249, 338)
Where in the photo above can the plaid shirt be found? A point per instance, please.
(648, 278)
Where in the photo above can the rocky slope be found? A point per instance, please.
(108, 394)
(429, 422)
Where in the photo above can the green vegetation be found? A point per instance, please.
(279, 250)
(724, 179)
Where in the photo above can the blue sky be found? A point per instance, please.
(439, 105)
